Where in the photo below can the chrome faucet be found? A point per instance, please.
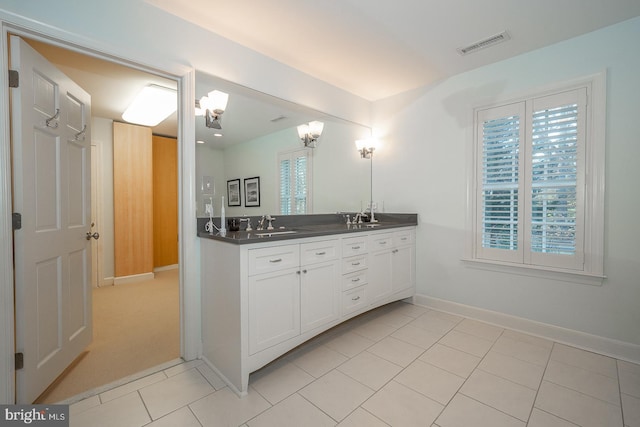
(270, 219)
(261, 224)
(248, 221)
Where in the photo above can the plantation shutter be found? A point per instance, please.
(556, 180)
(294, 182)
(501, 135)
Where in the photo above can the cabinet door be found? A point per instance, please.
(380, 277)
(319, 294)
(274, 308)
(403, 267)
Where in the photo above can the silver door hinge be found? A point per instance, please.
(19, 361)
(16, 221)
(14, 78)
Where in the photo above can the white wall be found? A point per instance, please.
(423, 169)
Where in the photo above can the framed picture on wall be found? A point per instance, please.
(233, 192)
(252, 191)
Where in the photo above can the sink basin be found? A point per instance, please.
(275, 233)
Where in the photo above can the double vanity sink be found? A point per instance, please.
(265, 292)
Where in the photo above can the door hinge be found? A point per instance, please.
(14, 78)
(16, 220)
(19, 361)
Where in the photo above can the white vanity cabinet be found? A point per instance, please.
(260, 300)
(392, 263)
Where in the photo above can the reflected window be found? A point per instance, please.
(295, 182)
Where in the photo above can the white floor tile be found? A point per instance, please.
(512, 369)
(591, 383)
(529, 339)
(398, 405)
(224, 408)
(114, 393)
(544, 419)
(435, 322)
(522, 350)
(417, 336)
(374, 330)
(479, 329)
(125, 411)
(585, 359)
(349, 343)
(84, 405)
(504, 395)
(279, 380)
(410, 310)
(294, 411)
(362, 418)
(336, 394)
(183, 417)
(466, 412)
(452, 360)
(369, 369)
(576, 407)
(467, 343)
(631, 410)
(396, 351)
(394, 319)
(317, 360)
(175, 392)
(433, 382)
(182, 367)
(630, 383)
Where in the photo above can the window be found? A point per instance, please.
(295, 182)
(538, 163)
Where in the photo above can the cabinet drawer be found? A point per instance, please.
(311, 253)
(353, 280)
(354, 246)
(276, 258)
(381, 241)
(354, 263)
(354, 300)
(405, 237)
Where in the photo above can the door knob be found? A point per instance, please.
(94, 235)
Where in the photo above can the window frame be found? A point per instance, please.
(592, 271)
(292, 155)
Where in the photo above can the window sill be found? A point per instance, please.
(538, 272)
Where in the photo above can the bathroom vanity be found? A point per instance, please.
(265, 293)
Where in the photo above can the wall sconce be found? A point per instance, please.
(309, 133)
(211, 107)
(366, 147)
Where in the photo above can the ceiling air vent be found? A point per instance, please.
(489, 41)
(277, 119)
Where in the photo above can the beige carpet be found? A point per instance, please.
(136, 326)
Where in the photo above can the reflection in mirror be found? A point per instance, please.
(258, 132)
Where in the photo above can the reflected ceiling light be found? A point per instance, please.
(366, 147)
(211, 107)
(199, 141)
(309, 133)
(152, 105)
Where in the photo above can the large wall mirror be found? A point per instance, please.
(256, 131)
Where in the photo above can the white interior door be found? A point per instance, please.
(51, 189)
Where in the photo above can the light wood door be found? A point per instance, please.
(132, 199)
(51, 119)
(165, 201)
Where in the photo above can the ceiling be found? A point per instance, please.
(379, 48)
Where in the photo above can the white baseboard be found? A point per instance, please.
(166, 267)
(133, 278)
(607, 346)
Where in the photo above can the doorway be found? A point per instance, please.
(117, 299)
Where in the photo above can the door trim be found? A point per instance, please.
(189, 249)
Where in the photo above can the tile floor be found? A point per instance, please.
(400, 365)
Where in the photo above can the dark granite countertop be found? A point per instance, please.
(300, 226)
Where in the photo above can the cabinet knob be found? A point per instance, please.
(275, 260)
(320, 253)
(304, 271)
(355, 299)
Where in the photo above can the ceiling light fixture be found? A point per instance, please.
(309, 133)
(211, 107)
(152, 105)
